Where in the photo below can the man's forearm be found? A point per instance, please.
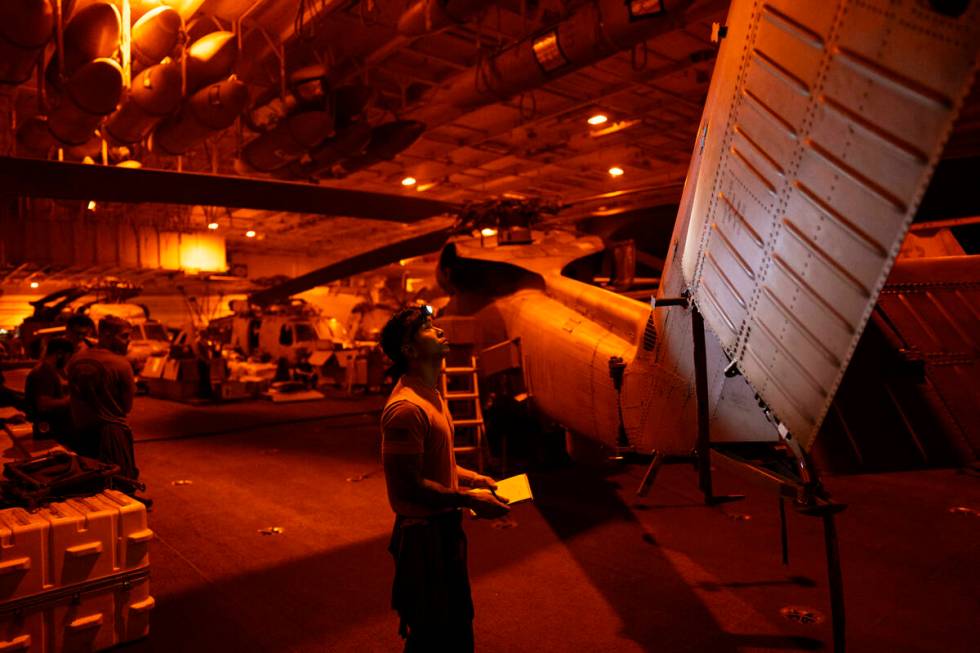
(436, 495)
(403, 474)
(465, 476)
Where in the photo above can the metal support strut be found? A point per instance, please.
(802, 486)
(701, 455)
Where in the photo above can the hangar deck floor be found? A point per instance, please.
(587, 567)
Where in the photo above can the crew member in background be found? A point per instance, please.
(79, 331)
(45, 398)
(431, 591)
(101, 386)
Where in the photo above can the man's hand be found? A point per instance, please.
(486, 505)
(481, 481)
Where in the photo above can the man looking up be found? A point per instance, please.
(102, 388)
(45, 399)
(431, 591)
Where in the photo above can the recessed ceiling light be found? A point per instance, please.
(487, 231)
(250, 234)
(213, 226)
(34, 284)
(616, 171)
(408, 181)
(598, 119)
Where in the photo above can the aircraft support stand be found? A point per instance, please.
(701, 455)
(809, 497)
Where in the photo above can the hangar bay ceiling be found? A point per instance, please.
(471, 100)
(593, 103)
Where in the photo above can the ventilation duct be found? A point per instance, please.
(154, 95)
(211, 109)
(25, 28)
(594, 32)
(426, 16)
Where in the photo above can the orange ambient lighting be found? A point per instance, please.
(616, 171)
(250, 234)
(598, 119)
(408, 181)
(213, 226)
(201, 252)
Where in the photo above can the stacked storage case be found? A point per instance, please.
(74, 575)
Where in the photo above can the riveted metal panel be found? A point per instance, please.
(828, 118)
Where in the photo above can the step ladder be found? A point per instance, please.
(461, 392)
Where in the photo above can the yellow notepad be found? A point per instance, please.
(515, 489)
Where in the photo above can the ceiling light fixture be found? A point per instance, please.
(598, 119)
(34, 284)
(213, 226)
(640, 9)
(613, 128)
(91, 205)
(250, 234)
(487, 231)
(408, 181)
(547, 52)
(616, 171)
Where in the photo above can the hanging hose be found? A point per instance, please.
(617, 369)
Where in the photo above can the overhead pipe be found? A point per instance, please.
(154, 95)
(209, 110)
(88, 96)
(594, 32)
(426, 16)
(26, 27)
(155, 37)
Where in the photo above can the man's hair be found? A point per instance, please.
(59, 345)
(111, 325)
(401, 328)
(81, 322)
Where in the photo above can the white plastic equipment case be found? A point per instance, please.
(74, 575)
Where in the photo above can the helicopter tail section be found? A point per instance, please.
(822, 129)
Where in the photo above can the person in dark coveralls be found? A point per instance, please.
(431, 590)
(45, 398)
(101, 386)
